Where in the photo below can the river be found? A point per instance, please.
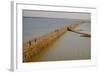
(69, 46)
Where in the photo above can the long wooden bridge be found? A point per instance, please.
(36, 45)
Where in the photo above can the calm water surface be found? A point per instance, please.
(69, 46)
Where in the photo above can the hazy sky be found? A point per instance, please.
(68, 15)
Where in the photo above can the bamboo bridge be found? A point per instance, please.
(35, 46)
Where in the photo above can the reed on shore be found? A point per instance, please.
(33, 47)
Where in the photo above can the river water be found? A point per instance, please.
(69, 46)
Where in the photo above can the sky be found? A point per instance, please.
(54, 14)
